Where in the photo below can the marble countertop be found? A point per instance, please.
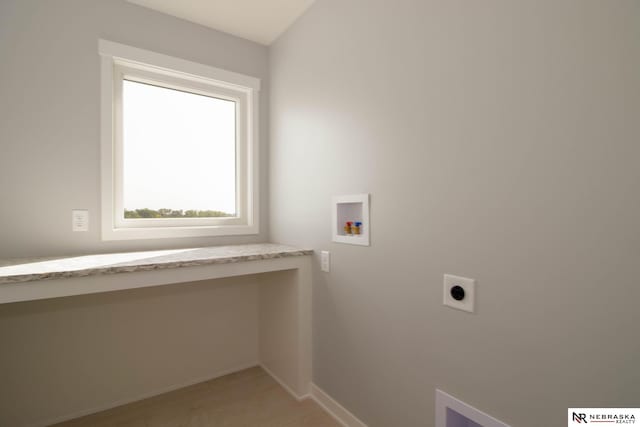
(35, 269)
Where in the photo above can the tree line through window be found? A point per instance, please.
(174, 213)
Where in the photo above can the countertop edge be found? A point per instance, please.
(285, 252)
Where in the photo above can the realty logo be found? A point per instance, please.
(579, 416)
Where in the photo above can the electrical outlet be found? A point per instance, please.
(459, 293)
(325, 261)
(80, 220)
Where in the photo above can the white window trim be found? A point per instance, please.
(121, 59)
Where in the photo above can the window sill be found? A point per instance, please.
(132, 233)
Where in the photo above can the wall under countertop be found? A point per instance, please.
(67, 357)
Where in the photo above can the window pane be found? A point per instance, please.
(179, 153)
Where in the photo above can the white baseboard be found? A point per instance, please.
(143, 396)
(336, 410)
(285, 386)
(326, 402)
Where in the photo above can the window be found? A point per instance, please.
(179, 147)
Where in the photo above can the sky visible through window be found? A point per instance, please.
(179, 152)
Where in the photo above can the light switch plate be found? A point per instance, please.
(80, 220)
(467, 296)
(325, 261)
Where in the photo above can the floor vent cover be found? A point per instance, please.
(451, 412)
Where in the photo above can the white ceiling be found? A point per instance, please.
(261, 21)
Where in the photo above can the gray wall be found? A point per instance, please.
(50, 111)
(66, 357)
(499, 140)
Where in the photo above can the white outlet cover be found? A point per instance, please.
(80, 220)
(325, 261)
(469, 286)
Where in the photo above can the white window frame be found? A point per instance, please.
(119, 62)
